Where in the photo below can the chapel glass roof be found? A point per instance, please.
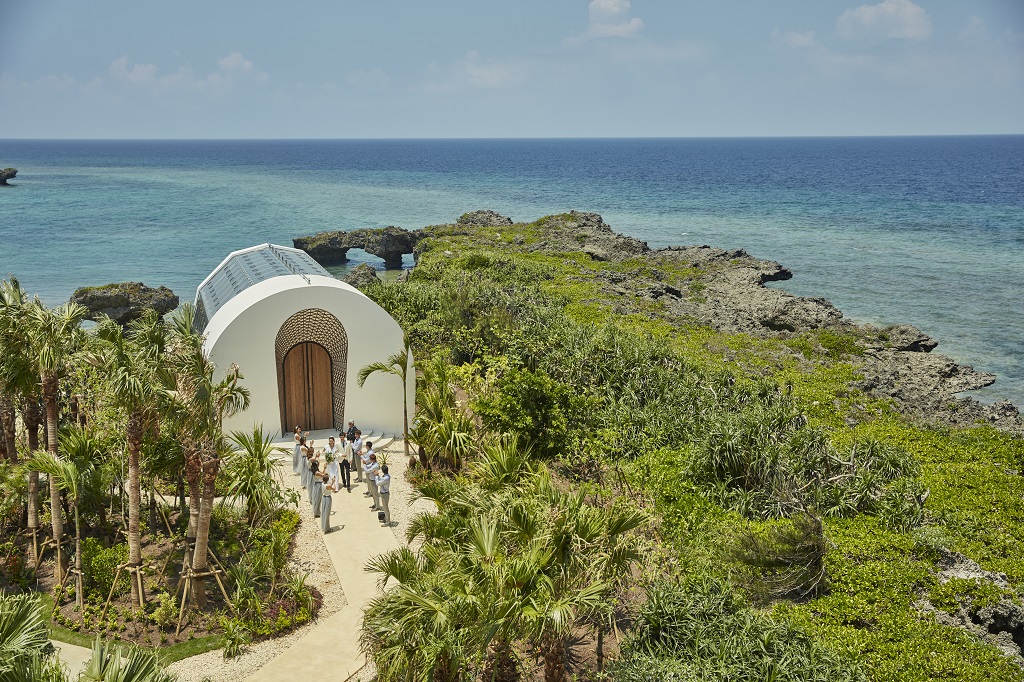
(242, 269)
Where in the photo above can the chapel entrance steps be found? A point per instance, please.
(380, 441)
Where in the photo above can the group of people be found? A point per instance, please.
(328, 469)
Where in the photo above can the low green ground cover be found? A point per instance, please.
(730, 440)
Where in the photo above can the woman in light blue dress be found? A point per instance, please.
(299, 442)
(331, 485)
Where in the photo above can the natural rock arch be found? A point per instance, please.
(324, 329)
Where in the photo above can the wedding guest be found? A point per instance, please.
(345, 466)
(316, 490)
(300, 440)
(331, 485)
(371, 476)
(383, 481)
(357, 448)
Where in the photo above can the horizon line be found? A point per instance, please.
(522, 138)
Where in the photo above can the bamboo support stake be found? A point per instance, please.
(113, 585)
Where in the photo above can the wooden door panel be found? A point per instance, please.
(319, 378)
(307, 387)
(295, 388)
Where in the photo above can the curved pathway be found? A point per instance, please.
(330, 648)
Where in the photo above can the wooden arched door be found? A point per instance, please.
(308, 400)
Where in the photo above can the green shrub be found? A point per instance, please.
(236, 637)
(99, 564)
(533, 406)
(691, 630)
(838, 344)
(166, 611)
(971, 593)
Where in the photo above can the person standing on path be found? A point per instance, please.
(316, 490)
(350, 435)
(300, 440)
(345, 466)
(371, 476)
(331, 448)
(383, 481)
(357, 450)
(330, 486)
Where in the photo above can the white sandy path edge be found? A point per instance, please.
(310, 556)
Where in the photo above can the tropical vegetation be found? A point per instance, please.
(796, 527)
(113, 425)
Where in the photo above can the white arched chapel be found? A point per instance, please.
(300, 337)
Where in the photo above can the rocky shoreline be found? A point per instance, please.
(727, 292)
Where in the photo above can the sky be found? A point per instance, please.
(509, 68)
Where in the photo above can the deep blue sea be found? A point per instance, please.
(925, 230)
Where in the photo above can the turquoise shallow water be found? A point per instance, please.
(922, 230)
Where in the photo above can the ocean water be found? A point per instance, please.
(923, 230)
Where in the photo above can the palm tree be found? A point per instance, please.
(396, 365)
(200, 404)
(19, 380)
(82, 449)
(109, 663)
(253, 474)
(54, 337)
(24, 639)
(186, 360)
(130, 360)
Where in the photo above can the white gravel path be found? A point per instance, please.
(310, 555)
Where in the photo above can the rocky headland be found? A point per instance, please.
(125, 301)
(331, 248)
(726, 291)
(6, 174)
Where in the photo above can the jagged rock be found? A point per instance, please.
(586, 232)
(6, 174)
(331, 248)
(908, 337)
(726, 292)
(484, 218)
(390, 243)
(125, 301)
(1000, 624)
(361, 276)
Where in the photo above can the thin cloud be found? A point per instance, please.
(608, 19)
(974, 31)
(474, 72)
(794, 39)
(232, 68)
(899, 19)
(368, 78)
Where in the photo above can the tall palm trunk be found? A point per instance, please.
(135, 427)
(79, 587)
(194, 476)
(7, 418)
(553, 651)
(210, 469)
(501, 663)
(50, 386)
(31, 417)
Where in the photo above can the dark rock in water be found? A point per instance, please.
(6, 174)
(484, 218)
(362, 276)
(331, 248)
(125, 301)
(390, 243)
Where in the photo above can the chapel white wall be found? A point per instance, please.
(245, 329)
